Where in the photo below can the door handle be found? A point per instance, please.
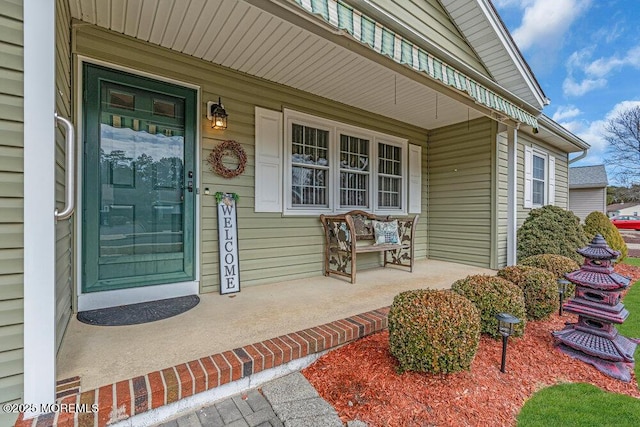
(69, 169)
(190, 183)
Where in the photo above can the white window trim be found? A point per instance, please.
(549, 177)
(545, 179)
(335, 128)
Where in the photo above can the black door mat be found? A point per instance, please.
(134, 314)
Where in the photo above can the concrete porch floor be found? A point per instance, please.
(105, 354)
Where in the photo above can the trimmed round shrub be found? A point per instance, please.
(433, 331)
(557, 265)
(539, 288)
(493, 295)
(551, 230)
(598, 223)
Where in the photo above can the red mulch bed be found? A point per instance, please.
(360, 380)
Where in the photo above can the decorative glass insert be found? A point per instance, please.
(310, 166)
(538, 180)
(164, 108)
(354, 171)
(121, 100)
(389, 176)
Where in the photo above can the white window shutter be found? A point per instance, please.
(268, 169)
(552, 180)
(528, 177)
(415, 178)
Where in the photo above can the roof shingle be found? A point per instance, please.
(588, 177)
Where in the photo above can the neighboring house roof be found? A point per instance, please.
(588, 177)
(615, 207)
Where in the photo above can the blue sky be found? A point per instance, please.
(585, 55)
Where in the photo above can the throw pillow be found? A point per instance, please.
(386, 232)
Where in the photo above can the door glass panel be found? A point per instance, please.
(121, 100)
(144, 176)
(164, 108)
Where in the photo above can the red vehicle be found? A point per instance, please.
(626, 222)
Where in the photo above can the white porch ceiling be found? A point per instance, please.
(235, 34)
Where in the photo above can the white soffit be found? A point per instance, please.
(487, 36)
(237, 35)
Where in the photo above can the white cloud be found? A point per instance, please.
(620, 107)
(545, 21)
(511, 3)
(593, 133)
(603, 66)
(595, 72)
(571, 87)
(564, 112)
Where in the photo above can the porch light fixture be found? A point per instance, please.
(217, 114)
(562, 289)
(506, 323)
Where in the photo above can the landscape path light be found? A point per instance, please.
(562, 290)
(506, 324)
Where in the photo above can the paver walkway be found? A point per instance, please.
(289, 401)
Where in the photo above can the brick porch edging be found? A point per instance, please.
(119, 401)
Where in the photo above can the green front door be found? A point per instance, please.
(138, 186)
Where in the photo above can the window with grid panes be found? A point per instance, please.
(309, 166)
(389, 176)
(354, 172)
(333, 167)
(538, 180)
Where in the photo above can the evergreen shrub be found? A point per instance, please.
(493, 295)
(433, 331)
(598, 223)
(557, 265)
(551, 230)
(539, 287)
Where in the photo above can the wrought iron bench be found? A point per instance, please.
(353, 233)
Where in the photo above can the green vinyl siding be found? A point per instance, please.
(429, 17)
(11, 206)
(460, 193)
(271, 247)
(502, 199)
(64, 229)
(562, 189)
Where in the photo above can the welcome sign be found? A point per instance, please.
(228, 244)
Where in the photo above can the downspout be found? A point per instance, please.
(580, 157)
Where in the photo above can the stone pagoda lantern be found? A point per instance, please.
(594, 339)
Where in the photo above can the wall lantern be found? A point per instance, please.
(217, 114)
(506, 323)
(562, 290)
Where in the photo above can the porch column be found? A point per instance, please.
(512, 194)
(39, 203)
